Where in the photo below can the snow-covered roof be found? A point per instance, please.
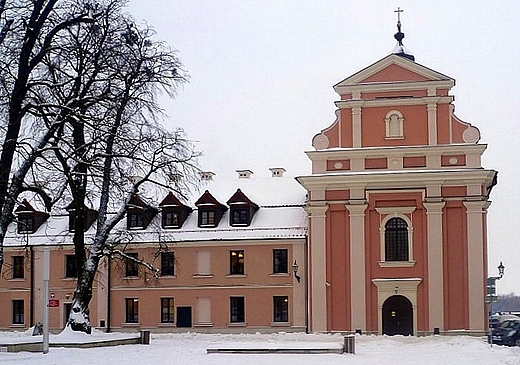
(281, 215)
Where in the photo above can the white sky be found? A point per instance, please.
(262, 74)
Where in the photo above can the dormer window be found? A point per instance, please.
(90, 216)
(174, 213)
(207, 218)
(135, 220)
(26, 224)
(242, 209)
(28, 218)
(139, 214)
(210, 210)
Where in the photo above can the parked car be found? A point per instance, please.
(508, 331)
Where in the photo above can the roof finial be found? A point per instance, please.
(399, 36)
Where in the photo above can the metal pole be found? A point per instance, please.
(46, 276)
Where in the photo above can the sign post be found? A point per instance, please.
(46, 277)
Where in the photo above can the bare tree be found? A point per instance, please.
(113, 133)
(28, 32)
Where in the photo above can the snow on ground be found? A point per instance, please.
(190, 348)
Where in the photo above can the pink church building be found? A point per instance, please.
(397, 203)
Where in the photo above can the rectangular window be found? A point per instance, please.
(239, 216)
(237, 310)
(167, 310)
(167, 263)
(236, 262)
(136, 220)
(280, 309)
(131, 266)
(132, 310)
(25, 224)
(207, 218)
(18, 309)
(280, 264)
(203, 263)
(70, 266)
(18, 267)
(170, 219)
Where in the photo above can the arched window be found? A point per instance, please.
(396, 240)
(394, 124)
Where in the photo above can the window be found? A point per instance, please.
(18, 317)
(135, 220)
(236, 262)
(203, 263)
(18, 267)
(396, 240)
(170, 219)
(70, 266)
(207, 218)
(167, 263)
(394, 124)
(280, 309)
(131, 266)
(280, 261)
(25, 224)
(132, 310)
(237, 310)
(240, 216)
(167, 310)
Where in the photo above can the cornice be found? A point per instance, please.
(347, 104)
(397, 179)
(351, 153)
(394, 86)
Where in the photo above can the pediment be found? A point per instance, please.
(392, 69)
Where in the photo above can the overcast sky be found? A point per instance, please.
(261, 77)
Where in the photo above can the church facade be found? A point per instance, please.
(397, 208)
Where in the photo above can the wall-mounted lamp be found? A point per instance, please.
(501, 268)
(67, 296)
(295, 270)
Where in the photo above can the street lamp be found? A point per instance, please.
(295, 270)
(492, 297)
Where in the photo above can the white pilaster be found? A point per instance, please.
(356, 126)
(435, 265)
(432, 124)
(317, 268)
(357, 266)
(475, 212)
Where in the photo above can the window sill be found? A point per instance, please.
(280, 274)
(125, 324)
(280, 324)
(203, 324)
(236, 276)
(167, 325)
(396, 263)
(17, 325)
(202, 276)
(17, 279)
(69, 278)
(168, 277)
(130, 278)
(237, 324)
(135, 228)
(396, 137)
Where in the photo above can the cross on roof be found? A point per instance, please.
(398, 11)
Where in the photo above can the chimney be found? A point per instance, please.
(244, 174)
(277, 171)
(207, 175)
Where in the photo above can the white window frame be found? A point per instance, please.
(390, 120)
(386, 214)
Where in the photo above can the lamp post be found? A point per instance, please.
(295, 271)
(491, 297)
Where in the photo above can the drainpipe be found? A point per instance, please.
(31, 279)
(109, 287)
(307, 278)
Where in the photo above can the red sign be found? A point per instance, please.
(54, 303)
